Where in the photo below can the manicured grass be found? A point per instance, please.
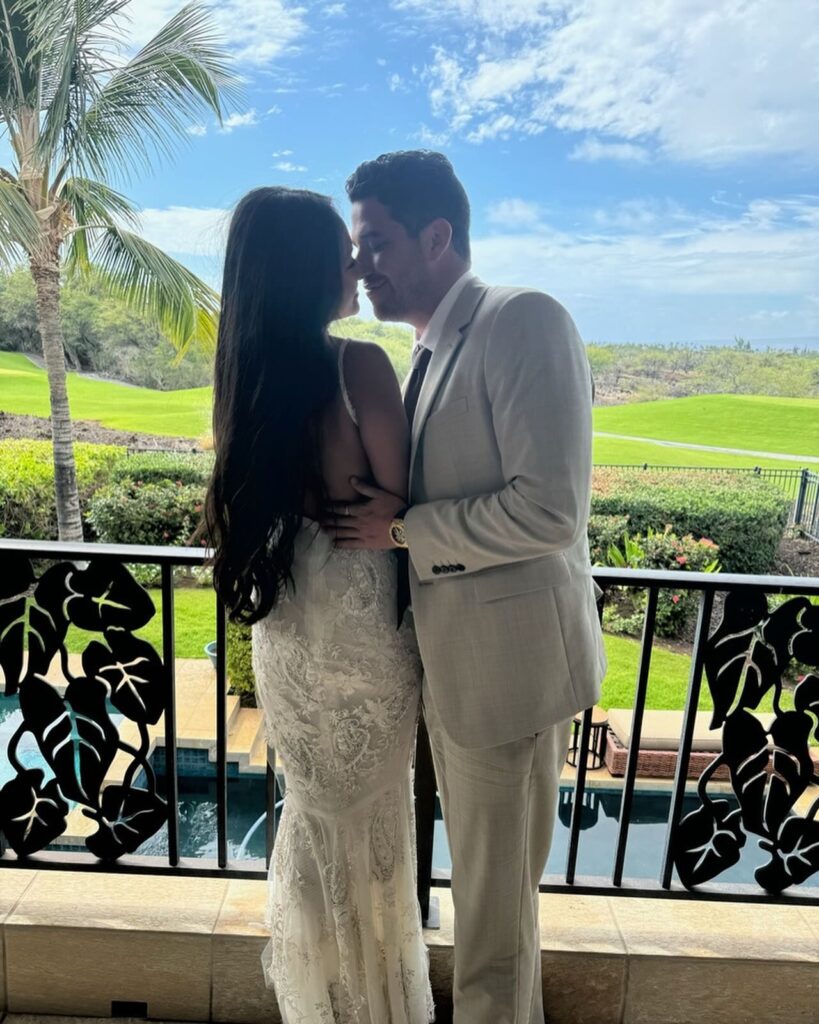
(667, 681)
(194, 623)
(755, 422)
(612, 451)
(24, 390)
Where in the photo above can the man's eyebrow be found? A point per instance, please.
(365, 235)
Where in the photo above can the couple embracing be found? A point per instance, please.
(336, 501)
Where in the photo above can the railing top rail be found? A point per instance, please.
(707, 581)
(621, 577)
(119, 552)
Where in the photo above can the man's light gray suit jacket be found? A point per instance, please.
(500, 481)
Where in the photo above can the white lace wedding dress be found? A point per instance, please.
(340, 687)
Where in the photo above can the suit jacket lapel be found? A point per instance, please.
(452, 337)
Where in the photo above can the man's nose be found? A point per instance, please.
(363, 263)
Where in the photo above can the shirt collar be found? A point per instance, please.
(429, 336)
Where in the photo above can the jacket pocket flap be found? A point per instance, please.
(522, 577)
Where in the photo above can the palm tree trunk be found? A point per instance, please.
(46, 274)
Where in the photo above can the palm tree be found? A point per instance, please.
(78, 119)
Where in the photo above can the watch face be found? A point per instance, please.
(398, 534)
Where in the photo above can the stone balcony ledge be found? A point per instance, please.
(85, 945)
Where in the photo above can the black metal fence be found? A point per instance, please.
(752, 652)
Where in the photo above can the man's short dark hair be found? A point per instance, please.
(417, 186)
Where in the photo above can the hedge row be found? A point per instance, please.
(744, 515)
(27, 500)
(156, 498)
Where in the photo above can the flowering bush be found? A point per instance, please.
(659, 549)
(742, 513)
(603, 532)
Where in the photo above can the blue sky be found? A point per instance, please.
(652, 164)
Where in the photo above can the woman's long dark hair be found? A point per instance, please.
(275, 373)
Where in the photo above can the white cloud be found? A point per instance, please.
(249, 117)
(282, 153)
(658, 271)
(514, 213)
(698, 81)
(197, 129)
(334, 10)
(273, 110)
(593, 150)
(395, 82)
(188, 230)
(288, 167)
(255, 31)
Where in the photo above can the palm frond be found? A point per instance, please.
(156, 285)
(91, 204)
(18, 73)
(74, 43)
(147, 104)
(19, 227)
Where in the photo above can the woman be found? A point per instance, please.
(296, 414)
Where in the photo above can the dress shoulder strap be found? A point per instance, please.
(342, 348)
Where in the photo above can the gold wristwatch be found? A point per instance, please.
(398, 533)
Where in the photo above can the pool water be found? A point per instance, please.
(598, 837)
(247, 801)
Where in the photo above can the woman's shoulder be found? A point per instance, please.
(363, 357)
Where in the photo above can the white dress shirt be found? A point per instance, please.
(429, 337)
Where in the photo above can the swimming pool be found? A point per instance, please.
(247, 801)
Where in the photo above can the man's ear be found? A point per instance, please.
(436, 239)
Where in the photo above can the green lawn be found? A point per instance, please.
(667, 681)
(24, 389)
(789, 425)
(194, 619)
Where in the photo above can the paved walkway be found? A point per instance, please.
(803, 460)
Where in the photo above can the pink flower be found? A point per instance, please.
(682, 559)
(165, 534)
(675, 598)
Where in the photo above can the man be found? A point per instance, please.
(500, 401)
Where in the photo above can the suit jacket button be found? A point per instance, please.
(436, 569)
(460, 568)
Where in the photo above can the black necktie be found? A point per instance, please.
(415, 383)
(411, 395)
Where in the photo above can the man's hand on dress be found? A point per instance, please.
(364, 524)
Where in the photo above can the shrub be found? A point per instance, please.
(743, 514)
(27, 500)
(130, 512)
(603, 532)
(239, 663)
(162, 467)
(658, 550)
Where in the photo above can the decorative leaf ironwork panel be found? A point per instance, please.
(73, 730)
(747, 657)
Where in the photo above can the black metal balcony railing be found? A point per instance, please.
(743, 658)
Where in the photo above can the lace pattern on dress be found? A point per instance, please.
(340, 688)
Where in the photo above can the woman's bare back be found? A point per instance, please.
(364, 431)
